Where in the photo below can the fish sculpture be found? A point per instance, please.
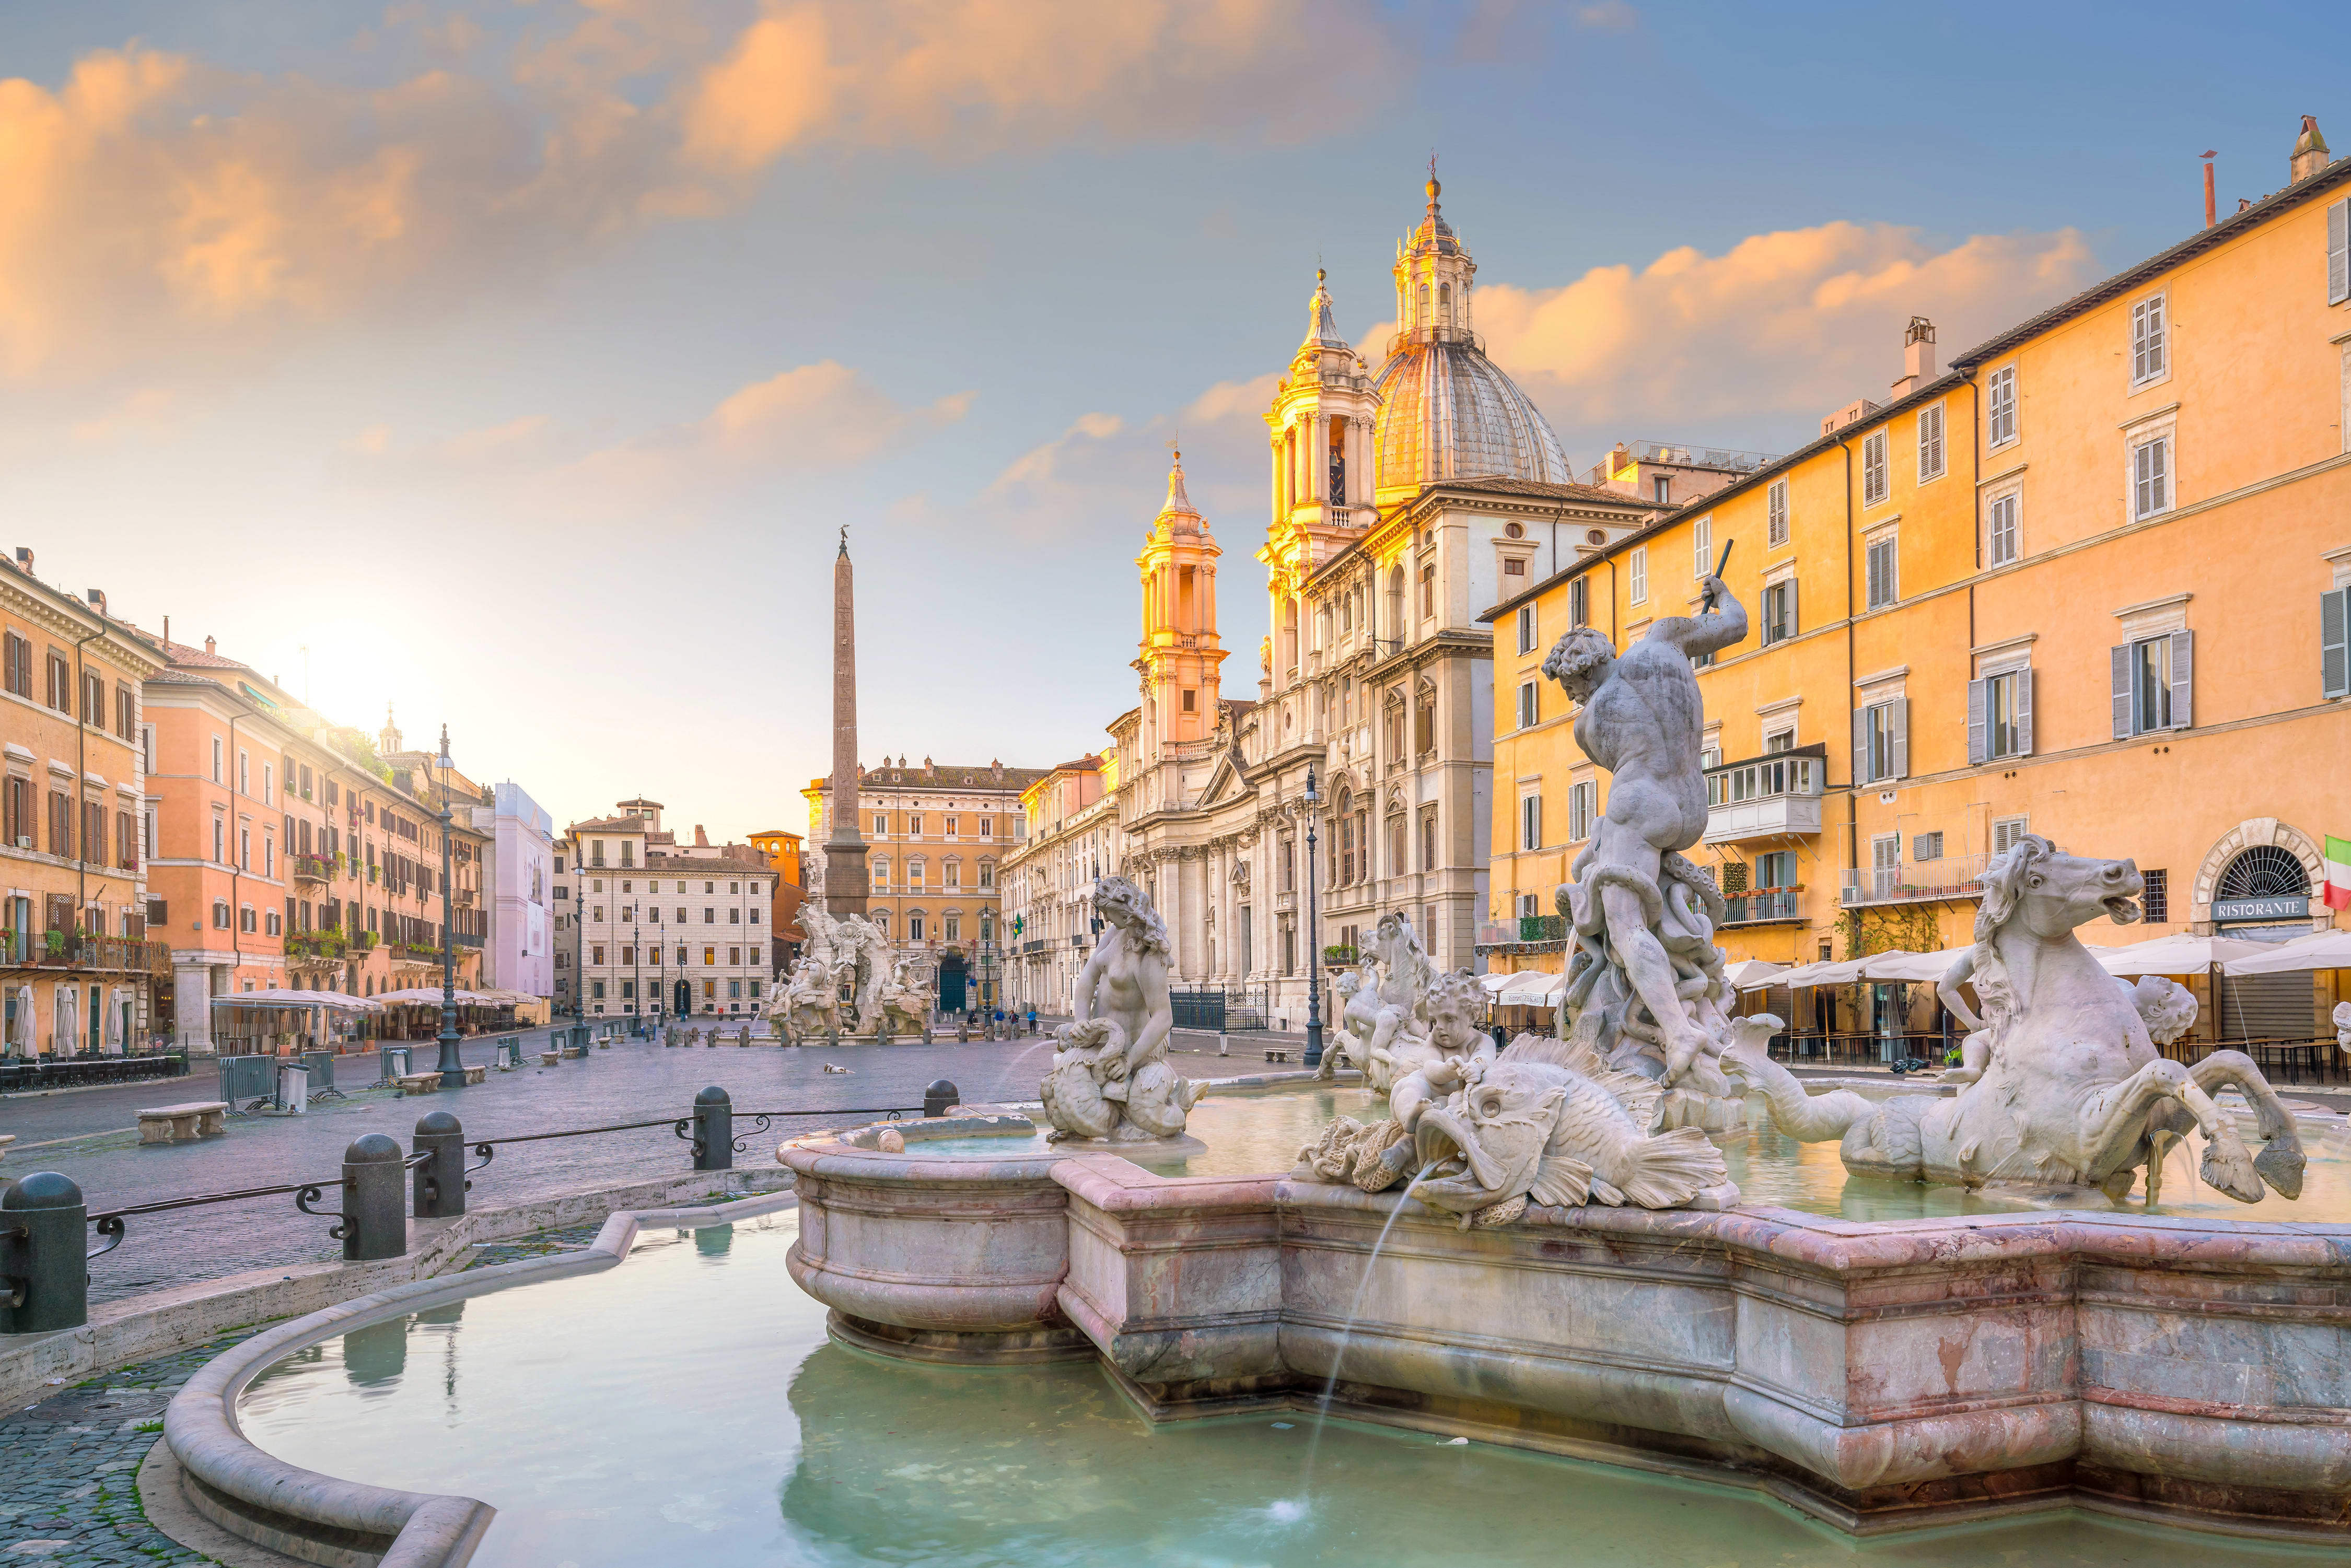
(1087, 1088)
(1548, 1122)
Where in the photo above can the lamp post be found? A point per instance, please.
(453, 1066)
(1313, 936)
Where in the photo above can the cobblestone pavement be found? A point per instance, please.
(68, 1464)
(629, 1082)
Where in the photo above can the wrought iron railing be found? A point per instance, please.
(1764, 904)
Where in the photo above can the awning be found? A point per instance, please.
(1838, 974)
(1531, 988)
(1902, 965)
(1754, 973)
(283, 998)
(1497, 979)
(2179, 955)
(430, 996)
(2319, 950)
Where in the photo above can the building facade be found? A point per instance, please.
(2091, 582)
(664, 930)
(516, 884)
(1072, 837)
(1404, 501)
(935, 837)
(786, 857)
(81, 970)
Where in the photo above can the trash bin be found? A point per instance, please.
(293, 1088)
(394, 1062)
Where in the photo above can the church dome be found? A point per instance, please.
(1446, 410)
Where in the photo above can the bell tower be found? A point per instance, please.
(1180, 651)
(1322, 428)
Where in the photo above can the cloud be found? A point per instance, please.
(1608, 17)
(809, 420)
(1779, 329)
(968, 76)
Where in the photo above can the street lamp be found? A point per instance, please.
(1313, 936)
(453, 1066)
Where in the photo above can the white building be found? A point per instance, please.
(1072, 838)
(520, 954)
(666, 932)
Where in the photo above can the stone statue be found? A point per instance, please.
(1110, 1078)
(1344, 1040)
(1390, 998)
(2341, 1016)
(1641, 915)
(905, 1001)
(2071, 1091)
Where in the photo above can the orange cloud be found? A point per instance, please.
(1791, 323)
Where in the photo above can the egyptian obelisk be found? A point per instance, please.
(845, 883)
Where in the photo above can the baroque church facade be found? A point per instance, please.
(1404, 502)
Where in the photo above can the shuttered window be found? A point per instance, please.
(1526, 628)
(1885, 574)
(1873, 469)
(1582, 799)
(2151, 477)
(1528, 705)
(2000, 717)
(2339, 252)
(1701, 546)
(2001, 406)
(1881, 741)
(1779, 611)
(1930, 442)
(1775, 504)
(2335, 643)
(2001, 533)
(2151, 341)
(1640, 570)
(2154, 684)
(1531, 823)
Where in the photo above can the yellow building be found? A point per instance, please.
(2089, 582)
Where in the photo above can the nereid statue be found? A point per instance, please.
(1110, 1078)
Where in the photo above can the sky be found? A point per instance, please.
(517, 365)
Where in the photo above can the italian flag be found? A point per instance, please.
(2338, 873)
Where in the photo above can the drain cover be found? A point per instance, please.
(98, 1409)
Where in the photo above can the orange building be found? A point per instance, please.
(783, 850)
(2091, 582)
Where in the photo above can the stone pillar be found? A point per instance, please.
(192, 1008)
(846, 882)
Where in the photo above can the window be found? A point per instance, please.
(913, 824)
(709, 914)
(93, 698)
(2006, 831)
(596, 988)
(2000, 400)
(2150, 342)
(1777, 869)
(61, 694)
(19, 666)
(270, 927)
(1881, 741)
(1885, 862)
(1639, 575)
(709, 958)
(1930, 442)
(2151, 477)
(1578, 601)
(915, 927)
(951, 833)
(1873, 469)
(1884, 573)
(1427, 591)
(244, 918)
(1428, 842)
(2153, 680)
(914, 872)
(1397, 864)
(1779, 610)
(245, 773)
(1775, 510)
(881, 824)
(2154, 902)
(220, 915)
(1529, 704)
(1778, 741)
(1189, 698)
(2000, 530)
(1531, 823)
(268, 780)
(2335, 643)
(1515, 566)
(1701, 546)
(1661, 489)
(1581, 800)
(987, 878)
(1526, 628)
(987, 827)
(1999, 715)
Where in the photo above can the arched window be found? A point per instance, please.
(1420, 308)
(1445, 304)
(1396, 602)
(1342, 858)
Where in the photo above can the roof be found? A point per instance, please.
(705, 865)
(2333, 175)
(945, 776)
(1447, 411)
(608, 825)
(1540, 489)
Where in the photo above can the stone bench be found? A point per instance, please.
(182, 1124)
(475, 1074)
(419, 1083)
(549, 1057)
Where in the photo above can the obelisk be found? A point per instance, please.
(845, 881)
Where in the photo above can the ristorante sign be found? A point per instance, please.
(2294, 908)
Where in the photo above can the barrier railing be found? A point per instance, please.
(43, 1268)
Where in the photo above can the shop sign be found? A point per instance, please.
(2260, 908)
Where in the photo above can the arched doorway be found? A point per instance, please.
(2264, 892)
(951, 982)
(681, 1000)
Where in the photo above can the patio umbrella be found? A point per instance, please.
(22, 1039)
(2320, 950)
(1844, 973)
(114, 1000)
(1532, 988)
(67, 1039)
(1910, 966)
(1754, 973)
(2177, 955)
(1498, 979)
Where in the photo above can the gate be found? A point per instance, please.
(1198, 1009)
(951, 977)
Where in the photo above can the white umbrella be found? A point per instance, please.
(1838, 974)
(67, 1039)
(1899, 965)
(1498, 979)
(1534, 989)
(24, 1035)
(287, 998)
(1754, 973)
(2320, 950)
(2176, 955)
(114, 1000)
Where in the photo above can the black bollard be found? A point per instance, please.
(440, 1180)
(713, 1130)
(44, 1272)
(939, 1096)
(375, 1221)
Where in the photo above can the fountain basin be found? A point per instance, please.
(1878, 1374)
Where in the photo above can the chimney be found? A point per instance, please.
(23, 560)
(701, 838)
(2211, 209)
(1917, 357)
(2309, 157)
(98, 600)
(208, 645)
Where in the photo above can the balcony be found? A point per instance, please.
(312, 868)
(323, 946)
(1771, 797)
(1920, 882)
(1524, 933)
(67, 953)
(1765, 906)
